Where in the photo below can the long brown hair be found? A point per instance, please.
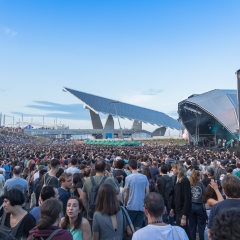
(49, 213)
(107, 202)
(194, 177)
(77, 224)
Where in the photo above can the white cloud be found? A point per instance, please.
(10, 32)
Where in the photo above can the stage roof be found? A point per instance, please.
(221, 104)
(124, 110)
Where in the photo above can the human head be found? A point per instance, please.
(209, 171)
(229, 170)
(107, 202)
(226, 225)
(100, 166)
(209, 193)
(74, 209)
(133, 164)
(164, 169)
(74, 161)
(50, 213)
(238, 165)
(12, 198)
(54, 164)
(231, 186)
(66, 180)
(47, 192)
(194, 177)
(77, 178)
(119, 164)
(154, 205)
(179, 170)
(146, 172)
(17, 170)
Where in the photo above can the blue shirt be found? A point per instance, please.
(36, 213)
(64, 195)
(8, 170)
(136, 183)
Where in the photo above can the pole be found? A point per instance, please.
(117, 117)
(4, 120)
(13, 121)
(43, 121)
(238, 91)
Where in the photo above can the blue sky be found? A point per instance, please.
(148, 53)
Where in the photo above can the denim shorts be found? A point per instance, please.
(136, 218)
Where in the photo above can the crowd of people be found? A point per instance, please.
(15, 138)
(114, 192)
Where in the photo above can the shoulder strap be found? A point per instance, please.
(93, 181)
(103, 180)
(53, 234)
(3, 219)
(128, 220)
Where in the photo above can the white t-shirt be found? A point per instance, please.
(35, 176)
(72, 170)
(3, 170)
(167, 232)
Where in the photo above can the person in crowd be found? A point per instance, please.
(237, 172)
(231, 188)
(38, 184)
(154, 170)
(48, 225)
(118, 171)
(8, 170)
(47, 192)
(98, 179)
(1, 199)
(36, 174)
(225, 225)
(136, 187)
(73, 166)
(64, 191)
(16, 182)
(219, 170)
(209, 174)
(121, 189)
(108, 220)
(15, 220)
(165, 188)
(198, 215)
(156, 229)
(152, 183)
(74, 222)
(77, 184)
(182, 198)
(50, 177)
(169, 159)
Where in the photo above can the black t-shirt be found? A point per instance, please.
(218, 207)
(75, 192)
(26, 225)
(120, 173)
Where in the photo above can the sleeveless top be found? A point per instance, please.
(76, 234)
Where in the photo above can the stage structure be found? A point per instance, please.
(211, 118)
(113, 108)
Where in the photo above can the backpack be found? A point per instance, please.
(93, 196)
(11, 234)
(168, 188)
(50, 236)
(48, 181)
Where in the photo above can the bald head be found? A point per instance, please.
(17, 170)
